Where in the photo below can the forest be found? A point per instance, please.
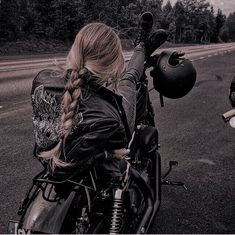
(188, 21)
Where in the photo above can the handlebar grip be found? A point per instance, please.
(228, 115)
(151, 61)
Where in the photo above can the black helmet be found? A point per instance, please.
(173, 76)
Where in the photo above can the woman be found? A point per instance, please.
(86, 115)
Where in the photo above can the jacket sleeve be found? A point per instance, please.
(127, 84)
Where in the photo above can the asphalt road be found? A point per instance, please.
(191, 131)
(25, 65)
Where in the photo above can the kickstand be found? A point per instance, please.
(174, 183)
(169, 182)
(171, 164)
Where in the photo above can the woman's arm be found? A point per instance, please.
(127, 84)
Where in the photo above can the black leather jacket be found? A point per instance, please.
(103, 121)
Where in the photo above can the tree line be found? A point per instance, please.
(187, 21)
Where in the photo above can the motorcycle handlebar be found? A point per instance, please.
(151, 61)
(228, 115)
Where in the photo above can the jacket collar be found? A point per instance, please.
(109, 95)
(92, 80)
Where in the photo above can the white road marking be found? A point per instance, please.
(1, 107)
(15, 112)
(207, 161)
(201, 58)
(21, 102)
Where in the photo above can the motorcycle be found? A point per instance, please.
(230, 115)
(83, 204)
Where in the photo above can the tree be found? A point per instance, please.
(224, 34)
(129, 14)
(67, 18)
(180, 20)
(187, 20)
(196, 12)
(220, 21)
(167, 15)
(109, 13)
(172, 31)
(9, 27)
(230, 25)
(206, 26)
(41, 16)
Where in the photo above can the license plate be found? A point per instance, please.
(13, 228)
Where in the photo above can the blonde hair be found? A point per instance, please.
(96, 48)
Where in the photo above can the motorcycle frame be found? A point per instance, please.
(152, 197)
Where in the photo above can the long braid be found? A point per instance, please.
(69, 103)
(97, 48)
(68, 106)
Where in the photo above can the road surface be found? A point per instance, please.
(36, 64)
(191, 131)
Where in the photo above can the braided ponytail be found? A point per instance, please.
(68, 106)
(96, 48)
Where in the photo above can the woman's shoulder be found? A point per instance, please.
(48, 73)
(49, 78)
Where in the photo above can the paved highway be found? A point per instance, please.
(191, 131)
(192, 52)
